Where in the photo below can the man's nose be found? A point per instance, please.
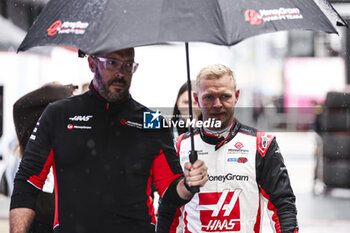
(118, 73)
(217, 103)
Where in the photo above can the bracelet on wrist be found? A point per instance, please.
(187, 187)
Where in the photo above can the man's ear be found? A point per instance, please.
(92, 64)
(195, 96)
(237, 95)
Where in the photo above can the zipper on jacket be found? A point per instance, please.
(107, 107)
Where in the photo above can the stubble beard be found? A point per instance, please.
(103, 90)
(225, 121)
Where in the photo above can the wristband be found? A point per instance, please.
(188, 187)
(171, 196)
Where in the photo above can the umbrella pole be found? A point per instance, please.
(189, 91)
(193, 156)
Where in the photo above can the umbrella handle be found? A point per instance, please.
(193, 156)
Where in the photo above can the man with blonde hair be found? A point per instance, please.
(245, 167)
(215, 71)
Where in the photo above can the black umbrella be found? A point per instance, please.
(103, 26)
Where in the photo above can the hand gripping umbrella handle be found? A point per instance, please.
(193, 157)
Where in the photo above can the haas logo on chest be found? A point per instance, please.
(220, 211)
(80, 118)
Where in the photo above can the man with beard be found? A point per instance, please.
(245, 168)
(104, 162)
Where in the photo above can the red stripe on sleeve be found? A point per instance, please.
(56, 221)
(162, 173)
(258, 219)
(176, 221)
(39, 181)
(271, 207)
(150, 200)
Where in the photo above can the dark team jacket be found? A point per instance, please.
(246, 170)
(104, 164)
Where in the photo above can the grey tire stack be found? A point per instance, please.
(335, 133)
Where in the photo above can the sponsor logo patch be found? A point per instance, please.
(71, 126)
(203, 152)
(131, 124)
(239, 145)
(266, 15)
(80, 118)
(59, 27)
(228, 177)
(220, 212)
(238, 160)
(263, 142)
(237, 151)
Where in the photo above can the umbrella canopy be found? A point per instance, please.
(103, 26)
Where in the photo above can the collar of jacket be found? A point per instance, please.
(218, 142)
(108, 105)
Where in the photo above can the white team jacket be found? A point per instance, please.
(246, 172)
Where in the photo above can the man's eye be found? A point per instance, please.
(128, 64)
(111, 62)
